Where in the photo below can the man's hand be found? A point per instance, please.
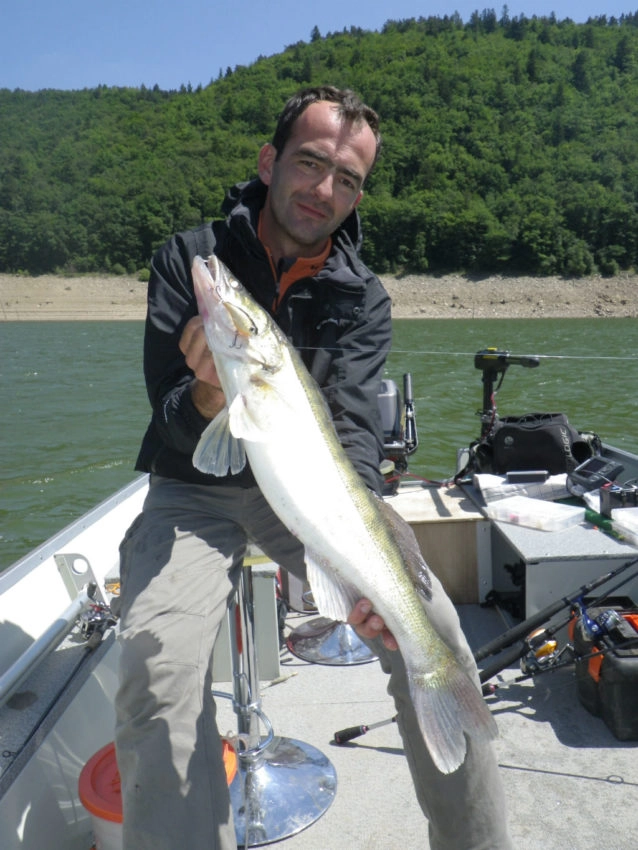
(207, 394)
(194, 347)
(370, 625)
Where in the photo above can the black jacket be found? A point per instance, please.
(339, 321)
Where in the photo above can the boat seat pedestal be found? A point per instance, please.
(282, 785)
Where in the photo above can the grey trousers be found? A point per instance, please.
(180, 564)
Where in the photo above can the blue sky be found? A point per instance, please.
(74, 44)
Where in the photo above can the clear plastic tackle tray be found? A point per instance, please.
(625, 522)
(535, 513)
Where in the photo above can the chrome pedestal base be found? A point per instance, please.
(324, 641)
(282, 785)
(281, 791)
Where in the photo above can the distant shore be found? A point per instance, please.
(104, 298)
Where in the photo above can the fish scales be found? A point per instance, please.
(356, 545)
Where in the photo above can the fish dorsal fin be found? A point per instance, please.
(410, 550)
(334, 597)
(218, 451)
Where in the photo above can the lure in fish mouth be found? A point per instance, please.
(355, 544)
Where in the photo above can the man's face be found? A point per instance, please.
(316, 182)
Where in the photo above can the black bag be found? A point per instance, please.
(534, 441)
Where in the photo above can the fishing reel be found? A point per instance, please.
(94, 623)
(609, 623)
(543, 653)
(542, 648)
(100, 616)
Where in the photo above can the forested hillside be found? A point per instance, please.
(510, 145)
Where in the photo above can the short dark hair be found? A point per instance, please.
(350, 108)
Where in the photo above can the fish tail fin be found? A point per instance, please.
(449, 706)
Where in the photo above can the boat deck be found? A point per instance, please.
(570, 784)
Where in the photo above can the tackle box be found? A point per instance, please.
(535, 513)
(607, 682)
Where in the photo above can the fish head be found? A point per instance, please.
(236, 326)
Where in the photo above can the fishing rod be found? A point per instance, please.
(556, 663)
(545, 664)
(345, 735)
(533, 643)
(521, 630)
(535, 638)
(538, 651)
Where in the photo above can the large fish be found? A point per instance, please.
(356, 545)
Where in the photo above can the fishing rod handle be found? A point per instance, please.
(345, 735)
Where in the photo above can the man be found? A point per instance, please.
(291, 238)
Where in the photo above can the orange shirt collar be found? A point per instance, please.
(298, 268)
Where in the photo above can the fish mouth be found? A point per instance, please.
(222, 283)
(212, 264)
(240, 319)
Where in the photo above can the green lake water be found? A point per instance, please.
(73, 405)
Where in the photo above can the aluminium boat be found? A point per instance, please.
(571, 777)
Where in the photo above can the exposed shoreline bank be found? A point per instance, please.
(104, 298)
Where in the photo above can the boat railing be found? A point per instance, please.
(28, 661)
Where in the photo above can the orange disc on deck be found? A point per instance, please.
(100, 790)
(100, 785)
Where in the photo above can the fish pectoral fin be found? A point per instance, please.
(410, 549)
(334, 597)
(244, 424)
(250, 413)
(218, 451)
(449, 706)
